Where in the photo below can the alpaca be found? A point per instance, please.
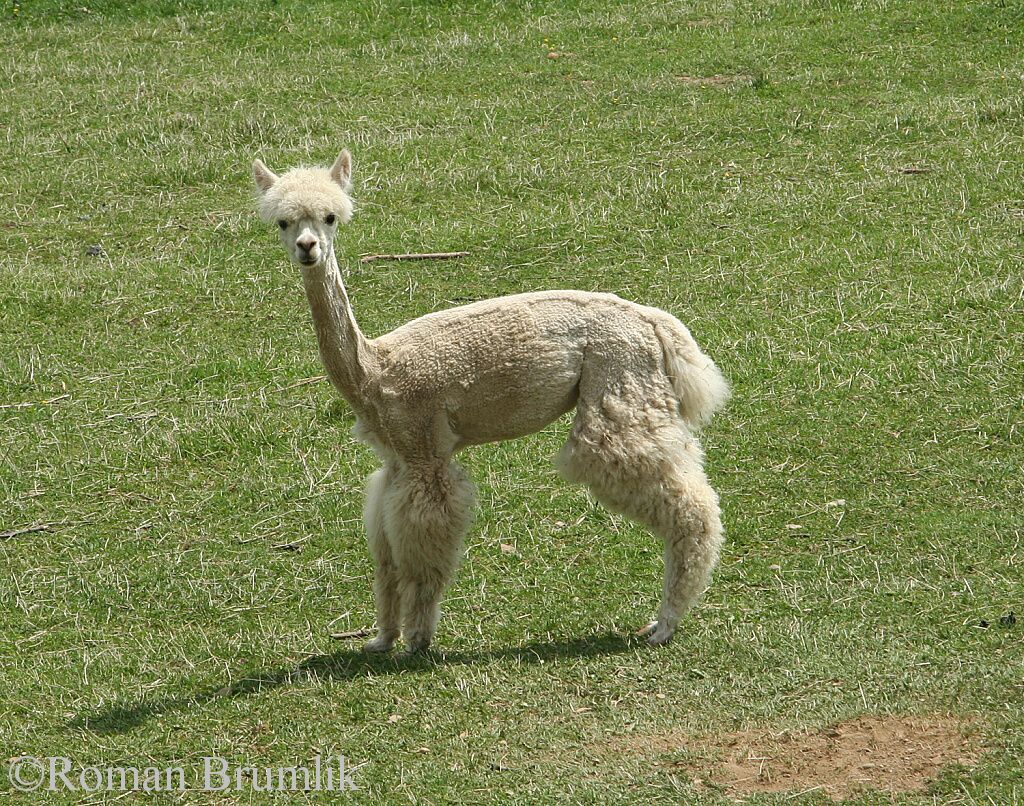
(494, 370)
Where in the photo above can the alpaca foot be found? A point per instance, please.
(656, 633)
(382, 643)
(424, 653)
(415, 646)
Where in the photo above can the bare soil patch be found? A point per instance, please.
(891, 754)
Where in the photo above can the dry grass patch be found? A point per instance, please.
(716, 80)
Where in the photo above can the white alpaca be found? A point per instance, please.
(498, 369)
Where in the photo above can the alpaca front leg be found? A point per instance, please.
(388, 600)
(429, 556)
(385, 573)
(427, 514)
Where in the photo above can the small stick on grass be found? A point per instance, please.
(303, 382)
(414, 256)
(28, 403)
(37, 527)
(292, 545)
(346, 636)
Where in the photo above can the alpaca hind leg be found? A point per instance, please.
(655, 478)
(385, 572)
(427, 514)
(690, 557)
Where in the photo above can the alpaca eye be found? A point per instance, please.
(282, 224)
(331, 218)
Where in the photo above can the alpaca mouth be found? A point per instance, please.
(308, 261)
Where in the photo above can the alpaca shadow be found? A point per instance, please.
(345, 664)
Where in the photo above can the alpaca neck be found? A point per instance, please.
(347, 355)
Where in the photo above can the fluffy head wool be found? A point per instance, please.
(305, 192)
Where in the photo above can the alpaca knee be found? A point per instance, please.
(426, 507)
(622, 468)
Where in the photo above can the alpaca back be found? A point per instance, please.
(506, 367)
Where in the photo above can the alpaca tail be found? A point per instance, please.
(696, 380)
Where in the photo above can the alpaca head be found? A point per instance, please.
(307, 205)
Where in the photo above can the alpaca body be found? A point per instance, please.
(506, 367)
(499, 369)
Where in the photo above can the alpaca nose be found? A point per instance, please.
(306, 243)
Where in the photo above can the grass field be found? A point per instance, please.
(831, 196)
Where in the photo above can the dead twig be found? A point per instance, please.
(33, 402)
(291, 545)
(346, 636)
(303, 382)
(414, 256)
(36, 527)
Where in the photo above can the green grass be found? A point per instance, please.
(868, 318)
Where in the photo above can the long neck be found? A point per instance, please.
(347, 355)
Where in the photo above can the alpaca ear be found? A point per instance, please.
(264, 177)
(341, 171)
